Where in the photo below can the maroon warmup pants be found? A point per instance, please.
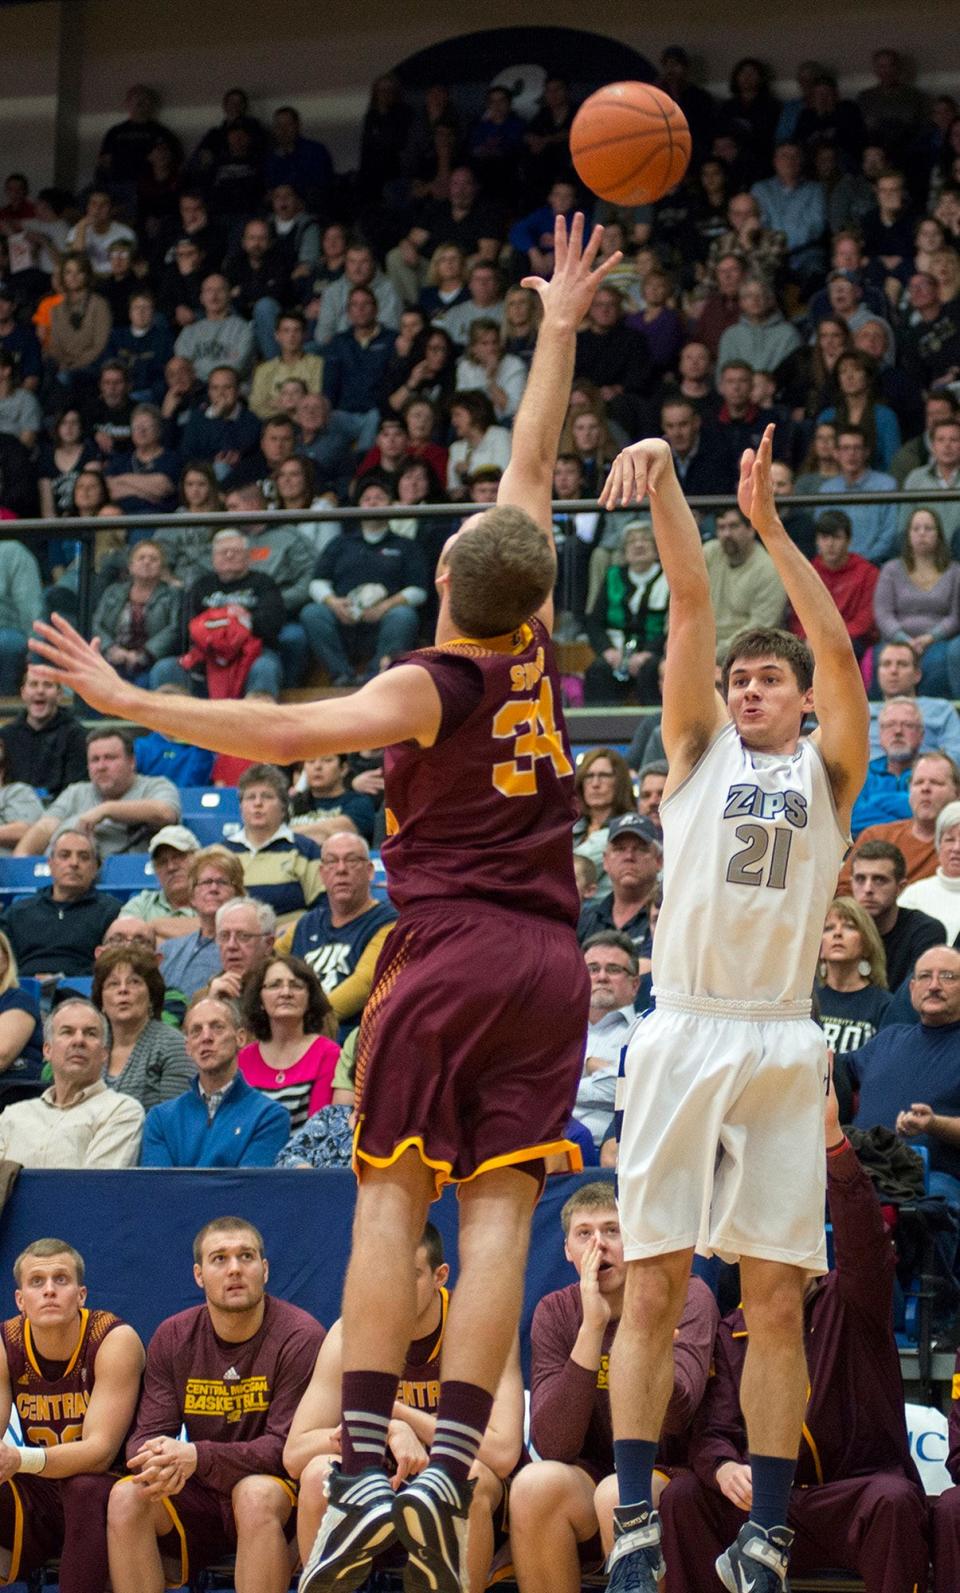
(945, 1522)
(875, 1526)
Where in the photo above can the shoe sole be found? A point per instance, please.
(348, 1566)
(724, 1572)
(420, 1534)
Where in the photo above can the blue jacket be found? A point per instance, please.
(179, 761)
(204, 437)
(248, 1130)
(883, 797)
(353, 372)
(144, 357)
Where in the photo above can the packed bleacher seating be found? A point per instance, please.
(243, 327)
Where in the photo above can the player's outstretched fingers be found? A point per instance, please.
(610, 491)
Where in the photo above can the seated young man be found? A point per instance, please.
(314, 1436)
(231, 1371)
(73, 1376)
(561, 1506)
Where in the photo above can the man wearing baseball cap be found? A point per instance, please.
(170, 852)
(632, 860)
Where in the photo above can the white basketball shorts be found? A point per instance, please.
(722, 1142)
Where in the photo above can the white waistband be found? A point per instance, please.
(746, 1011)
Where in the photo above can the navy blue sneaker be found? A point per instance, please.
(357, 1525)
(635, 1564)
(757, 1562)
(431, 1519)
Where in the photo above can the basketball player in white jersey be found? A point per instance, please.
(722, 1148)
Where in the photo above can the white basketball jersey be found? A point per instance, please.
(751, 852)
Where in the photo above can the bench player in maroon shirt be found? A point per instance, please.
(73, 1376)
(472, 1041)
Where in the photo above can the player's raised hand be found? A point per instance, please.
(73, 662)
(568, 294)
(755, 489)
(636, 471)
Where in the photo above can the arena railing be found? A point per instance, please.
(84, 529)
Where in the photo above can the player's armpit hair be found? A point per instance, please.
(502, 569)
(598, 1196)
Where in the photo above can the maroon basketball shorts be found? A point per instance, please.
(31, 1524)
(471, 1045)
(202, 1528)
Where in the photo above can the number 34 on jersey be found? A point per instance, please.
(528, 724)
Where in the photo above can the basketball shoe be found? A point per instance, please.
(635, 1564)
(357, 1524)
(757, 1562)
(431, 1521)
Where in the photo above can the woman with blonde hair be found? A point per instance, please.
(851, 991)
(21, 1037)
(522, 314)
(586, 434)
(487, 369)
(446, 280)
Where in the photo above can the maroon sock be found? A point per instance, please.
(462, 1417)
(367, 1404)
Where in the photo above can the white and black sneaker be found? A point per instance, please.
(357, 1525)
(635, 1564)
(431, 1518)
(757, 1562)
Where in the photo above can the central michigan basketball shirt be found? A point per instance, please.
(751, 851)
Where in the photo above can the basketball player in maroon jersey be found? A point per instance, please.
(472, 1040)
(73, 1377)
(314, 1436)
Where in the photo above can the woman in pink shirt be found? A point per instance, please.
(292, 1059)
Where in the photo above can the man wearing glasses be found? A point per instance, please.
(245, 932)
(908, 1075)
(188, 962)
(342, 937)
(611, 962)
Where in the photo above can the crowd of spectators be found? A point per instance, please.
(244, 327)
(247, 328)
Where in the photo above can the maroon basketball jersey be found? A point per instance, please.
(419, 1387)
(487, 811)
(51, 1397)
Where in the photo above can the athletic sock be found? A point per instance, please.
(772, 1479)
(462, 1417)
(367, 1400)
(633, 1459)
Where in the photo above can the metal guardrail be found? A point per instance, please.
(84, 528)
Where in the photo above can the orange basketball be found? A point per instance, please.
(630, 143)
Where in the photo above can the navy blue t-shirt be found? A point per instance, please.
(30, 1060)
(909, 1062)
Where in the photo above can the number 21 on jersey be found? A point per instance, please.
(531, 725)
